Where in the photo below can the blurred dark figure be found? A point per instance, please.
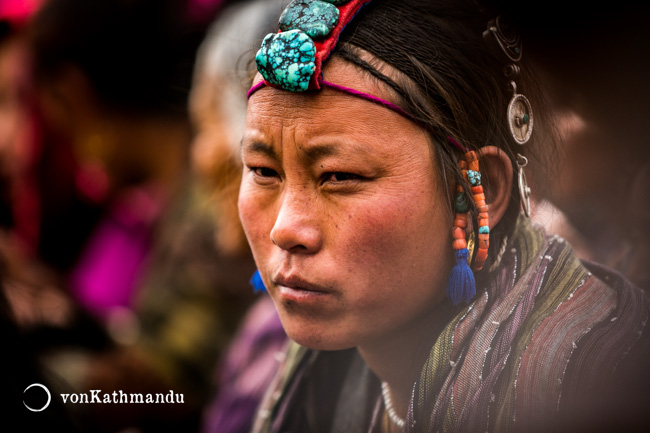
(224, 72)
(19, 365)
(20, 369)
(112, 81)
(119, 283)
(595, 58)
(594, 55)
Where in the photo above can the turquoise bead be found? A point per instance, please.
(474, 177)
(287, 60)
(484, 230)
(314, 17)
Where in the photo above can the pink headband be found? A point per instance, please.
(349, 91)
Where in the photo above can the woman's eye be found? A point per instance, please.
(341, 177)
(264, 171)
(264, 175)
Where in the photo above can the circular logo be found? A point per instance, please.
(47, 391)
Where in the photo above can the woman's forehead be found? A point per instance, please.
(273, 113)
(331, 123)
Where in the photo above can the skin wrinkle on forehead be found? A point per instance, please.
(312, 153)
(288, 107)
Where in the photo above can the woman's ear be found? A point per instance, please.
(497, 173)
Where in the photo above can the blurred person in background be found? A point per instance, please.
(224, 71)
(19, 365)
(594, 58)
(14, 101)
(147, 292)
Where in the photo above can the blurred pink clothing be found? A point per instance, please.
(107, 273)
(18, 11)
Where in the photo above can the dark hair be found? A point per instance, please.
(451, 81)
(137, 54)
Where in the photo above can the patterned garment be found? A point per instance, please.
(550, 344)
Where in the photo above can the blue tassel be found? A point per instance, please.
(257, 283)
(461, 286)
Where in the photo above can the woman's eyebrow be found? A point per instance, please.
(312, 153)
(315, 152)
(259, 147)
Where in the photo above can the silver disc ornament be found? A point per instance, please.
(520, 117)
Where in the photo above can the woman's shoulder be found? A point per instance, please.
(558, 334)
(604, 380)
(590, 339)
(585, 317)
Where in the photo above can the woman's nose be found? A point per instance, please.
(296, 227)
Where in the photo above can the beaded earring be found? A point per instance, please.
(461, 286)
(474, 177)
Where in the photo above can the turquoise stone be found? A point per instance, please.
(460, 203)
(337, 2)
(314, 17)
(526, 119)
(474, 177)
(287, 60)
(484, 230)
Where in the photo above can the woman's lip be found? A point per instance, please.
(301, 289)
(299, 292)
(298, 284)
(295, 289)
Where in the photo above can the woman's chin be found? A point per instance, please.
(319, 340)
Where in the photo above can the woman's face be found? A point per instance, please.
(345, 213)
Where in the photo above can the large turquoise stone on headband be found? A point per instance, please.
(287, 60)
(314, 17)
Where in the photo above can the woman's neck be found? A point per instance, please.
(397, 359)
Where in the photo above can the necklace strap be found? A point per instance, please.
(390, 410)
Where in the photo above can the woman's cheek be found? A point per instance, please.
(376, 233)
(253, 211)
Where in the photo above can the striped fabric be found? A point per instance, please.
(503, 363)
(547, 345)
